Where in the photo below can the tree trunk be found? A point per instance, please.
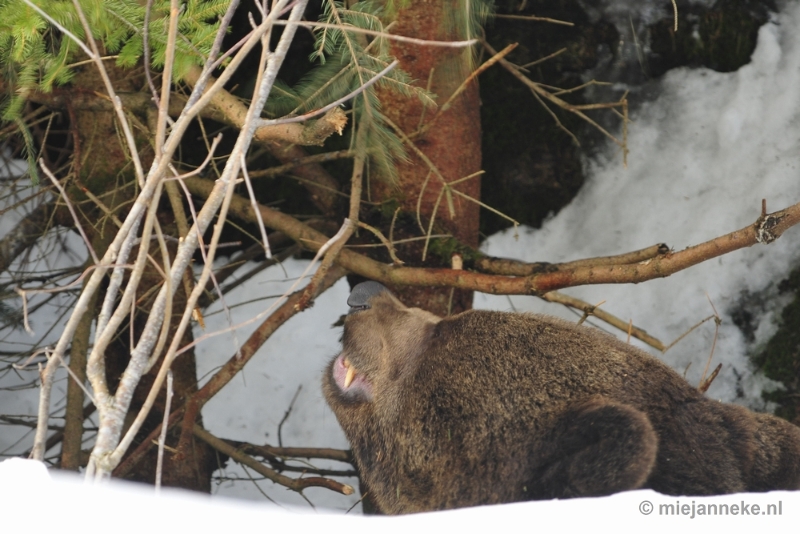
(452, 144)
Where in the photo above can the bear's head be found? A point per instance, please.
(382, 343)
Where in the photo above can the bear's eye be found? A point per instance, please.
(354, 309)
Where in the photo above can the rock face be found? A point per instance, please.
(491, 407)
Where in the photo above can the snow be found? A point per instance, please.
(703, 155)
(28, 490)
(251, 407)
(18, 397)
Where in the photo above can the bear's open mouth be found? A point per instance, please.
(349, 379)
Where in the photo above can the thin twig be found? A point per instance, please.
(590, 310)
(384, 35)
(165, 325)
(386, 243)
(352, 94)
(717, 323)
(543, 59)
(356, 184)
(535, 18)
(286, 453)
(166, 78)
(162, 439)
(286, 415)
(692, 329)
(320, 253)
(675, 15)
(316, 158)
(264, 240)
(146, 50)
(705, 384)
(71, 209)
(572, 302)
(201, 167)
(474, 74)
(24, 297)
(540, 92)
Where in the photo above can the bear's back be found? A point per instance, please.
(503, 378)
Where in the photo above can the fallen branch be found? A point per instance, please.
(508, 267)
(572, 302)
(767, 228)
(296, 484)
(267, 451)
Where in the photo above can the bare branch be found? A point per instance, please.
(535, 18)
(106, 459)
(285, 453)
(25, 234)
(112, 414)
(706, 383)
(232, 111)
(337, 243)
(296, 484)
(386, 243)
(508, 267)
(166, 78)
(765, 229)
(616, 322)
(162, 439)
(264, 240)
(231, 368)
(71, 210)
(541, 93)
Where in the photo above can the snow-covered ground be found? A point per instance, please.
(703, 155)
(34, 500)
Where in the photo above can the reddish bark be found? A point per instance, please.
(452, 144)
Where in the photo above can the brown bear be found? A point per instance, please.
(490, 407)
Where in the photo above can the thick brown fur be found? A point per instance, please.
(490, 407)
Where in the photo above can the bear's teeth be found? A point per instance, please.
(351, 373)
